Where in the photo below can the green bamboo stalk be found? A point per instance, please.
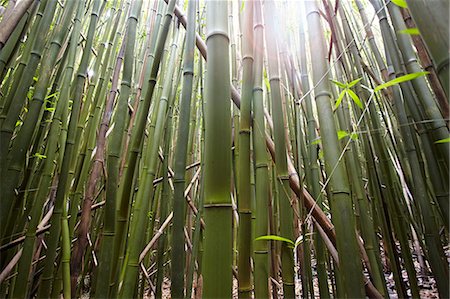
(10, 21)
(435, 37)
(95, 118)
(135, 241)
(194, 130)
(10, 49)
(244, 188)
(44, 182)
(180, 156)
(124, 193)
(48, 166)
(217, 282)
(17, 71)
(439, 128)
(164, 205)
(114, 145)
(313, 176)
(431, 236)
(23, 140)
(282, 175)
(367, 225)
(65, 252)
(260, 249)
(427, 64)
(341, 203)
(45, 286)
(18, 93)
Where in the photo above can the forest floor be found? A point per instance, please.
(425, 282)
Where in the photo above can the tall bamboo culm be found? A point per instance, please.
(217, 275)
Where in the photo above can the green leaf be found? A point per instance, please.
(400, 79)
(445, 140)
(39, 156)
(316, 141)
(354, 82)
(275, 238)
(339, 99)
(342, 134)
(242, 6)
(266, 81)
(401, 3)
(340, 84)
(18, 123)
(50, 109)
(410, 31)
(355, 98)
(320, 155)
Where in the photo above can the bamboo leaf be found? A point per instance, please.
(342, 134)
(445, 140)
(275, 238)
(339, 99)
(355, 98)
(354, 136)
(400, 79)
(316, 141)
(354, 82)
(340, 84)
(410, 31)
(267, 82)
(401, 3)
(39, 156)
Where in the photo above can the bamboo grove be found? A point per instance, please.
(224, 149)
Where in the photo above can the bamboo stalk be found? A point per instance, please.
(217, 276)
(180, 157)
(244, 187)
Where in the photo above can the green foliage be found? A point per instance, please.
(410, 31)
(343, 134)
(400, 79)
(401, 3)
(347, 91)
(39, 156)
(291, 244)
(355, 98)
(316, 141)
(275, 238)
(445, 140)
(266, 81)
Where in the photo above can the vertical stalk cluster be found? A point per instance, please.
(126, 171)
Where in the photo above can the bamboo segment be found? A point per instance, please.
(178, 253)
(217, 277)
(286, 217)
(260, 251)
(340, 200)
(244, 187)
